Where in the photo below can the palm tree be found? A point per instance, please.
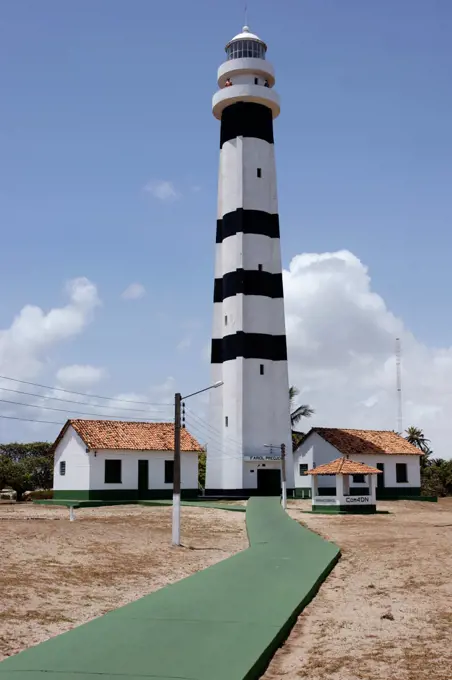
(298, 412)
(415, 436)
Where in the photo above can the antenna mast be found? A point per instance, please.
(399, 385)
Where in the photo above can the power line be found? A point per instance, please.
(74, 401)
(213, 428)
(62, 410)
(83, 394)
(32, 420)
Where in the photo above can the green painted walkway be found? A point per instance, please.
(223, 623)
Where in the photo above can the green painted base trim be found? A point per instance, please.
(217, 619)
(118, 495)
(425, 499)
(342, 512)
(302, 493)
(394, 493)
(345, 509)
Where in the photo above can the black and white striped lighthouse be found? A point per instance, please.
(249, 414)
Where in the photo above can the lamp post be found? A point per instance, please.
(176, 472)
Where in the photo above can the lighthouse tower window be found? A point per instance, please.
(259, 172)
(262, 369)
(246, 49)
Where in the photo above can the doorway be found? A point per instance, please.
(381, 478)
(143, 478)
(269, 482)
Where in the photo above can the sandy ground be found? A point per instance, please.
(385, 612)
(56, 574)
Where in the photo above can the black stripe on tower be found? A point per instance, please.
(247, 222)
(249, 346)
(248, 282)
(245, 119)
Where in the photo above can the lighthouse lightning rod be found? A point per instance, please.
(178, 398)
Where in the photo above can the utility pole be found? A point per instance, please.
(399, 385)
(283, 477)
(176, 470)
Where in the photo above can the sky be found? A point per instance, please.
(108, 181)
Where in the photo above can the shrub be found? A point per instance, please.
(41, 494)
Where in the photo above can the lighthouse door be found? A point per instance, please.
(269, 482)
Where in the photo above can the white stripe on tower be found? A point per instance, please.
(250, 412)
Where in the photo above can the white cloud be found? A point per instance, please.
(24, 346)
(163, 190)
(79, 375)
(134, 292)
(342, 342)
(184, 344)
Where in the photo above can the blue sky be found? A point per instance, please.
(99, 99)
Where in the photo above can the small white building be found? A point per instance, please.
(343, 501)
(105, 460)
(397, 459)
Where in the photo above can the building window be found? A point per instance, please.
(303, 468)
(262, 369)
(259, 266)
(256, 81)
(226, 421)
(62, 468)
(169, 471)
(113, 471)
(401, 473)
(358, 479)
(226, 320)
(259, 172)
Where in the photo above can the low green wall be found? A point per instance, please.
(118, 495)
(223, 623)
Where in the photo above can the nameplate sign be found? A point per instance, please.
(358, 500)
(253, 458)
(325, 500)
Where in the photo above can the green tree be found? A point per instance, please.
(26, 467)
(298, 412)
(202, 470)
(17, 451)
(416, 436)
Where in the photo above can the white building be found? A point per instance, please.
(249, 415)
(387, 451)
(106, 460)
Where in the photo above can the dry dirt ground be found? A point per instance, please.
(385, 612)
(56, 574)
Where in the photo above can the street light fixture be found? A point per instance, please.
(176, 470)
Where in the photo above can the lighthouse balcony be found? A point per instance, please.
(246, 66)
(245, 92)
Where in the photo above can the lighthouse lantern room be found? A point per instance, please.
(249, 415)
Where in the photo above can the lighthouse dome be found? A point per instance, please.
(246, 45)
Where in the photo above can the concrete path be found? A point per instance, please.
(223, 623)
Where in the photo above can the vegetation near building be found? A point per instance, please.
(436, 473)
(26, 467)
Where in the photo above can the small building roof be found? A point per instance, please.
(373, 442)
(129, 436)
(344, 466)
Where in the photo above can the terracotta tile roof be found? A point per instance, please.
(344, 466)
(129, 436)
(376, 442)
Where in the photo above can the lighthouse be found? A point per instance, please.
(249, 415)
